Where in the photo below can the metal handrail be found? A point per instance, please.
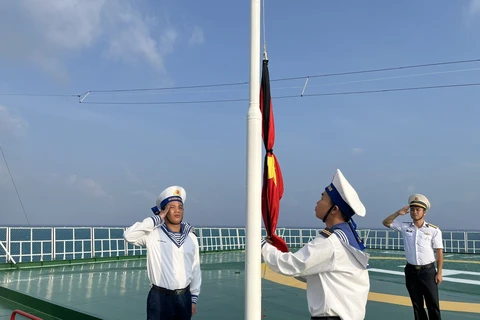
(25, 314)
(44, 244)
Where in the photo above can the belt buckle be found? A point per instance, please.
(418, 267)
(177, 291)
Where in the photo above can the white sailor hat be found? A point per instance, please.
(173, 193)
(344, 196)
(419, 200)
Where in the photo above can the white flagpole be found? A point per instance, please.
(253, 294)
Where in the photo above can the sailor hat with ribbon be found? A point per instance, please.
(344, 196)
(173, 193)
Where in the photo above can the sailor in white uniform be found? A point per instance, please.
(173, 260)
(334, 264)
(420, 240)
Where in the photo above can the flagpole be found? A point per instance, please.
(253, 294)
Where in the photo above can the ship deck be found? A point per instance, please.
(118, 289)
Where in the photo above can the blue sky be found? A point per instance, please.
(91, 164)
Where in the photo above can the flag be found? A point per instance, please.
(272, 189)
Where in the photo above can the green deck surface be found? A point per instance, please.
(118, 290)
(7, 306)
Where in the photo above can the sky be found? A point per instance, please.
(93, 164)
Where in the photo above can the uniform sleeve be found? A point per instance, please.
(137, 234)
(396, 225)
(196, 272)
(437, 241)
(315, 257)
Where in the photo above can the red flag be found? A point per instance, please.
(272, 190)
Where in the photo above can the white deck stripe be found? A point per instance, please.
(458, 280)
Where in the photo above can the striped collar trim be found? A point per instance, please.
(185, 229)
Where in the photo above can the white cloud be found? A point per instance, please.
(12, 123)
(67, 24)
(197, 37)
(357, 150)
(74, 113)
(87, 186)
(45, 33)
(146, 194)
(474, 7)
(131, 39)
(131, 176)
(471, 11)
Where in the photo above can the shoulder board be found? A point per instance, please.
(326, 233)
(432, 225)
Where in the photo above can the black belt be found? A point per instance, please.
(327, 318)
(172, 292)
(418, 267)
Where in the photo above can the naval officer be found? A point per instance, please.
(173, 260)
(334, 264)
(420, 240)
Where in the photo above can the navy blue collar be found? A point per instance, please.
(349, 229)
(185, 229)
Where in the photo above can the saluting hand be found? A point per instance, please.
(194, 308)
(403, 211)
(164, 212)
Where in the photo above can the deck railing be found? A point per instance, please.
(35, 244)
(24, 314)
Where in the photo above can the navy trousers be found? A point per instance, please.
(166, 306)
(421, 285)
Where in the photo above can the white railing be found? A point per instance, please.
(69, 243)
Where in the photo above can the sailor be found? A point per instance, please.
(173, 260)
(334, 264)
(420, 239)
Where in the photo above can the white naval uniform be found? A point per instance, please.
(335, 272)
(171, 263)
(419, 242)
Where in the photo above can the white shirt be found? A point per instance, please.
(173, 259)
(419, 242)
(336, 275)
